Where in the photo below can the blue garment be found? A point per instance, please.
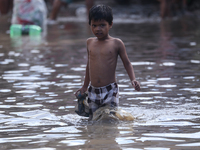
(66, 1)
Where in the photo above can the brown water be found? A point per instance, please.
(38, 78)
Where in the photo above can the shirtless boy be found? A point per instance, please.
(103, 51)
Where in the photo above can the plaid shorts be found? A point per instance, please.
(103, 96)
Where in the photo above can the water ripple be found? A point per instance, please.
(175, 135)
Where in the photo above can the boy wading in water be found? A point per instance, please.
(103, 51)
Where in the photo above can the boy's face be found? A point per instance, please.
(100, 28)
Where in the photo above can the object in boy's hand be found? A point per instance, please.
(82, 105)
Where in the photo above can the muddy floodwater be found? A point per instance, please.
(39, 75)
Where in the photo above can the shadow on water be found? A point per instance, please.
(39, 77)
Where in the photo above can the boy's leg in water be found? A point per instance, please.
(93, 107)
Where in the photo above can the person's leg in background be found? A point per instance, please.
(5, 6)
(57, 4)
(56, 8)
(89, 4)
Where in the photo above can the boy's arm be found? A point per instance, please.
(87, 76)
(87, 79)
(83, 89)
(127, 65)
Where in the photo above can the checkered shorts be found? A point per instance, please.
(103, 96)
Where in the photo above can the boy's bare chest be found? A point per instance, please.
(102, 50)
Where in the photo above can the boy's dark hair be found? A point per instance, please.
(99, 12)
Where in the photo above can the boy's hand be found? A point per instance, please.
(136, 85)
(81, 90)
